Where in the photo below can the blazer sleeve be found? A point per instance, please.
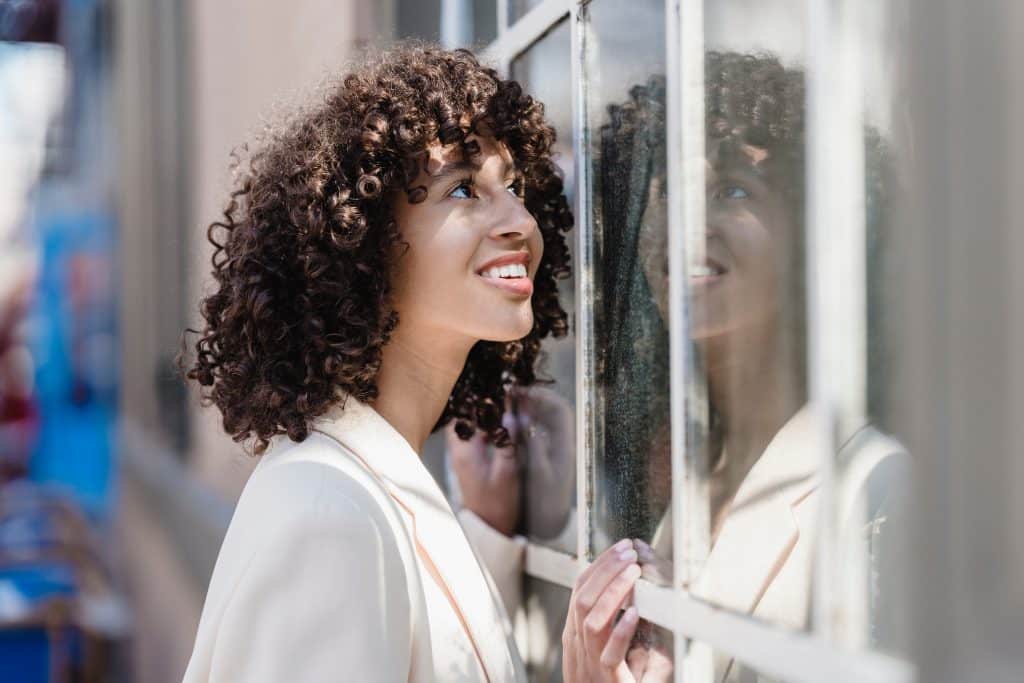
(324, 598)
(503, 557)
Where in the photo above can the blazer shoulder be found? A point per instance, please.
(302, 496)
(874, 468)
(313, 476)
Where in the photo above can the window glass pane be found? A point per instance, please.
(747, 320)
(728, 669)
(517, 8)
(650, 656)
(546, 413)
(625, 67)
(540, 629)
(485, 21)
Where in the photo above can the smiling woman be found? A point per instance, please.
(472, 240)
(387, 264)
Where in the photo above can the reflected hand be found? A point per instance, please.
(656, 569)
(547, 435)
(489, 482)
(649, 658)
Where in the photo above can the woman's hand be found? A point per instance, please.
(594, 644)
(656, 569)
(596, 647)
(547, 436)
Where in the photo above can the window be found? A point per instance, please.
(733, 176)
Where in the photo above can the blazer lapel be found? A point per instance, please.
(763, 525)
(442, 545)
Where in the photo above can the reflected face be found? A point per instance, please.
(749, 244)
(473, 248)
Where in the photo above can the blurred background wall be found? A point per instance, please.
(171, 89)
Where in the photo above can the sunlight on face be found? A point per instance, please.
(473, 248)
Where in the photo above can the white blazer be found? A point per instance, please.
(344, 562)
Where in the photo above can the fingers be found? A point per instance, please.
(644, 551)
(609, 555)
(594, 644)
(611, 580)
(471, 455)
(618, 643)
(600, 617)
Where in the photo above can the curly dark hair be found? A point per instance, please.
(304, 255)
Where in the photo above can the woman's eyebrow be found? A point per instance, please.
(452, 168)
(462, 165)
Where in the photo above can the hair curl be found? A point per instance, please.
(303, 256)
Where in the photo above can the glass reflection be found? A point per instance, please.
(626, 102)
(748, 327)
(548, 605)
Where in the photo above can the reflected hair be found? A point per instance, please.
(750, 99)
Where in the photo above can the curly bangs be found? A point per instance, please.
(303, 256)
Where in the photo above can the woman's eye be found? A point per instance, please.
(733, 192)
(463, 190)
(517, 188)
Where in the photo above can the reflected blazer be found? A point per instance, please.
(761, 563)
(343, 561)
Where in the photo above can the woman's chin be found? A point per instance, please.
(512, 330)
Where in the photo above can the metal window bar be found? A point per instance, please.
(836, 278)
(586, 389)
(686, 239)
(788, 655)
(526, 31)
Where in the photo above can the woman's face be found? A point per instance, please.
(473, 248)
(749, 245)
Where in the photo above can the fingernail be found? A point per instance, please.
(623, 544)
(631, 614)
(633, 571)
(628, 555)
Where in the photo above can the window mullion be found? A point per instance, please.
(836, 280)
(688, 406)
(586, 385)
(526, 30)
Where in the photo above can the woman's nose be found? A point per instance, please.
(516, 222)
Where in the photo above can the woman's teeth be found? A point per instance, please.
(705, 271)
(509, 271)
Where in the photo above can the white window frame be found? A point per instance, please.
(699, 628)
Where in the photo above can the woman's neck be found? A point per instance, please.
(418, 370)
(756, 385)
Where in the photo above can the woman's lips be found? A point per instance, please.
(705, 280)
(521, 286)
(707, 274)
